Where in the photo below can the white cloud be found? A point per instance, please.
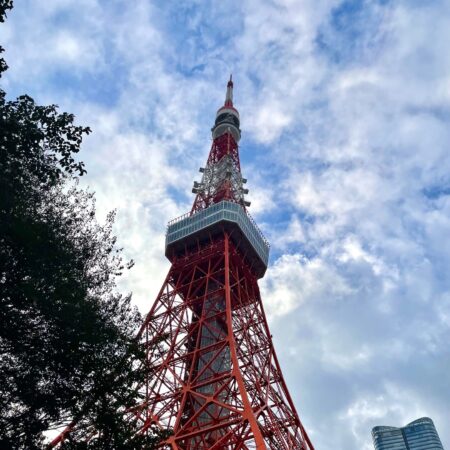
(292, 280)
(351, 108)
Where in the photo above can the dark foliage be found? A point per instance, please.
(5, 5)
(67, 347)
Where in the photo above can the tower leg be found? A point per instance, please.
(216, 382)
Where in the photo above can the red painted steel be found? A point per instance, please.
(224, 145)
(216, 381)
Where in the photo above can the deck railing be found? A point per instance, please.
(190, 223)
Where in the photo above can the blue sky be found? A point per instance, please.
(345, 109)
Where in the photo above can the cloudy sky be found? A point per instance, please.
(345, 109)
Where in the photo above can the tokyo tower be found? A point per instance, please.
(216, 382)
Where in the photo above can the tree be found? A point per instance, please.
(68, 352)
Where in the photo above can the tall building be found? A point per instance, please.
(215, 381)
(418, 435)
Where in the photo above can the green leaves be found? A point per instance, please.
(67, 337)
(67, 340)
(5, 5)
(40, 140)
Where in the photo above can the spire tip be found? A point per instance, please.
(229, 96)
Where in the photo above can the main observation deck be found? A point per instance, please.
(190, 230)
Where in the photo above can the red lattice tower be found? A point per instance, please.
(218, 383)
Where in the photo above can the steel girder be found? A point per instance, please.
(216, 379)
(218, 188)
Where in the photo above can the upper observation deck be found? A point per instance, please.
(189, 230)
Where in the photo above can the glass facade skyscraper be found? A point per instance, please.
(418, 435)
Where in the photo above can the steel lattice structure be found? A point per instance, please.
(216, 381)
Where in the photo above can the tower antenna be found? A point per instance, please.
(216, 381)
